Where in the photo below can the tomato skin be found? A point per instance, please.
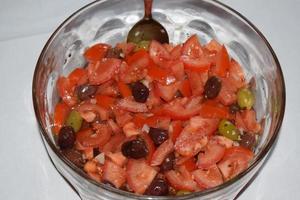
(177, 111)
(96, 52)
(114, 174)
(150, 146)
(139, 175)
(162, 152)
(211, 109)
(246, 120)
(181, 179)
(177, 128)
(157, 73)
(185, 88)
(78, 76)
(222, 63)
(192, 47)
(196, 65)
(166, 92)
(158, 53)
(227, 94)
(114, 144)
(103, 70)
(210, 155)
(124, 89)
(100, 138)
(66, 91)
(236, 75)
(197, 82)
(190, 164)
(208, 178)
(176, 52)
(213, 46)
(105, 101)
(235, 160)
(61, 112)
(177, 69)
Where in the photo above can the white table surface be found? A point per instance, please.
(25, 169)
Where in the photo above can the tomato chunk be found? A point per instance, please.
(208, 178)
(114, 174)
(139, 175)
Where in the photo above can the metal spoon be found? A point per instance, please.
(148, 29)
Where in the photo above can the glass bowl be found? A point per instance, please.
(109, 21)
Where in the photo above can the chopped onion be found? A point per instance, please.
(146, 128)
(100, 158)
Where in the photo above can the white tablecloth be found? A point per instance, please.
(25, 170)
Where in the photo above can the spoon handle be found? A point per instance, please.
(148, 9)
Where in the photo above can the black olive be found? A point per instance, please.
(158, 135)
(96, 152)
(248, 140)
(135, 149)
(114, 53)
(168, 163)
(66, 137)
(86, 91)
(74, 156)
(212, 87)
(158, 187)
(234, 108)
(140, 92)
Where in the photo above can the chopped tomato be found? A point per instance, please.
(114, 126)
(108, 88)
(196, 64)
(176, 52)
(235, 160)
(66, 91)
(122, 117)
(227, 94)
(78, 77)
(176, 130)
(135, 67)
(139, 175)
(211, 109)
(162, 152)
(194, 136)
(105, 101)
(103, 70)
(153, 99)
(168, 47)
(158, 73)
(150, 146)
(86, 107)
(221, 140)
(96, 52)
(114, 174)
(185, 88)
(131, 105)
(60, 114)
(192, 47)
(124, 89)
(118, 158)
(177, 69)
(167, 92)
(208, 178)
(197, 82)
(190, 164)
(214, 46)
(222, 63)
(130, 129)
(210, 155)
(158, 53)
(181, 179)
(100, 138)
(114, 144)
(236, 74)
(127, 48)
(246, 120)
(177, 110)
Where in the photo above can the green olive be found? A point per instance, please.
(142, 45)
(227, 129)
(245, 98)
(74, 120)
(182, 192)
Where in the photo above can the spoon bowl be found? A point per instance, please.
(148, 29)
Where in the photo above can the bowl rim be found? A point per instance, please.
(260, 156)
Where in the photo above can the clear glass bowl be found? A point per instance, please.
(109, 21)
